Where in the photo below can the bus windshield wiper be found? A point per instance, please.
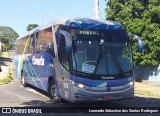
(116, 62)
(98, 60)
(75, 58)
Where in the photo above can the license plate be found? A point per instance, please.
(108, 96)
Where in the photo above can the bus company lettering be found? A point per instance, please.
(82, 32)
(111, 77)
(38, 61)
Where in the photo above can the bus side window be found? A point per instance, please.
(41, 47)
(50, 49)
(41, 42)
(49, 42)
(63, 55)
(32, 44)
(36, 42)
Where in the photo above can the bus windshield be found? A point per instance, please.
(106, 52)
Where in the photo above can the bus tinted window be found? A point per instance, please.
(44, 41)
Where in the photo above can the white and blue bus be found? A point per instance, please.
(78, 60)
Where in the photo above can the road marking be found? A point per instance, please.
(29, 89)
(150, 100)
(34, 91)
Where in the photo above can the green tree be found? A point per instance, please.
(31, 26)
(7, 36)
(141, 17)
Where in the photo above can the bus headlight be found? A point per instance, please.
(130, 83)
(81, 86)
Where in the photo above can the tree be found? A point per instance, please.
(141, 17)
(7, 36)
(31, 26)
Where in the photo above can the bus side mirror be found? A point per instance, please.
(139, 40)
(68, 40)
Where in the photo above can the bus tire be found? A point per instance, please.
(24, 83)
(51, 92)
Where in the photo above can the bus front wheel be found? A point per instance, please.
(24, 83)
(52, 92)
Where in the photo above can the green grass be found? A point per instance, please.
(147, 93)
(4, 54)
(1, 54)
(6, 80)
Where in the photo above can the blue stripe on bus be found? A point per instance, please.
(94, 83)
(28, 74)
(30, 65)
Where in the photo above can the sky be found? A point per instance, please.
(17, 14)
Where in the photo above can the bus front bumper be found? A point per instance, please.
(83, 95)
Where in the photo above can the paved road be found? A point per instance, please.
(14, 95)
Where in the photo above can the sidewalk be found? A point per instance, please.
(4, 72)
(5, 65)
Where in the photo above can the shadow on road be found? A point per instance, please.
(2, 63)
(64, 103)
(137, 101)
(34, 103)
(38, 90)
(5, 59)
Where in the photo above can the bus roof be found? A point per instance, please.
(79, 23)
(92, 23)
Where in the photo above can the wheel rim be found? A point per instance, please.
(53, 91)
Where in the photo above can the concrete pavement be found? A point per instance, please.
(5, 65)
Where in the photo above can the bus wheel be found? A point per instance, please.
(23, 81)
(52, 92)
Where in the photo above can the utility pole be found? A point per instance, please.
(96, 9)
(42, 17)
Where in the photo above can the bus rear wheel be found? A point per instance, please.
(24, 83)
(52, 92)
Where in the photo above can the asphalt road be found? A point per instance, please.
(14, 95)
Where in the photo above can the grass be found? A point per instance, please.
(147, 93)
(5, 54)
(8, 78)
(147, 89)
(1, 54)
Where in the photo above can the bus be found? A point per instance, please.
(78, 60)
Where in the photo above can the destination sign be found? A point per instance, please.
(89, 32)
